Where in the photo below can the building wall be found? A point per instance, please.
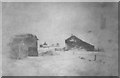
(23, 46)
(18, 50)
(31, 42)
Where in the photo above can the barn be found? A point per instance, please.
(75, 42)
(23, 45)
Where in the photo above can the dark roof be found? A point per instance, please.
(45, 43)
(74, 41)
(73, 37)
(23, 36)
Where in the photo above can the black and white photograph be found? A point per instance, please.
(59, 38)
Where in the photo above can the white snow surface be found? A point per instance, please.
(68, 63)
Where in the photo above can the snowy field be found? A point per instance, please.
(68, 63)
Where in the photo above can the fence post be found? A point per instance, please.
(95, 58)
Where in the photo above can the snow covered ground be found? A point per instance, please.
(68, 63)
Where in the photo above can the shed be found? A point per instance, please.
(75, 42)
(23, 45)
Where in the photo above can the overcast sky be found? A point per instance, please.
(54, 22)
